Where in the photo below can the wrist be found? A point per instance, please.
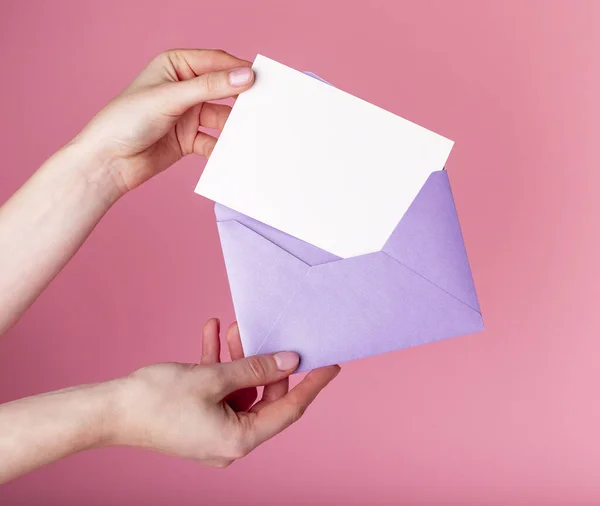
(95, 168)
(99, 422)
(121, 423)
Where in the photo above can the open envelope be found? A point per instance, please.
(290, 294)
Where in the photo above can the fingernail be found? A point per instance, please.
(241, 76)
(286, 360)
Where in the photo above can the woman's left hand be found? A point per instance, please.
(156, 120)
(207, 412)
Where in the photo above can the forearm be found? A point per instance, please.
(41, 429)
(45, 222)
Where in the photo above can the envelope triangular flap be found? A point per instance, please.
(302, 250)
(429, 240)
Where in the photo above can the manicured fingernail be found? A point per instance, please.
(241, 76)
(286, 360)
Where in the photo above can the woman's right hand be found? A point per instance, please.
(158, 118)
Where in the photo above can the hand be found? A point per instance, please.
(206, 412)
(155, 121)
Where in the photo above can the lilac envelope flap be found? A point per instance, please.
(290, 295)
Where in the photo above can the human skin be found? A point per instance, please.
(203, 411)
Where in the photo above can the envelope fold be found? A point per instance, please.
(300, 249)
(263, 279)
(429, 241)
(336, 311)
(364, 306)
(291, 295)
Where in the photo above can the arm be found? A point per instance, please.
(41, 429)
(144, 130)
(205, 411)
(45, 222)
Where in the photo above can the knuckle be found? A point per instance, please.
(214, 381)
(238, 449)
(167, 55)
(204, 146)
(238, 444)
(167, 61)
(257, 369)
(296, 413)
(222, 463)
(214, 55)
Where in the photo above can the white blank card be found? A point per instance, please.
(318, 163)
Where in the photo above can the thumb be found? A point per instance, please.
(180, 96)
(256, 371)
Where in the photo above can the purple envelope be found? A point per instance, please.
(291, 295)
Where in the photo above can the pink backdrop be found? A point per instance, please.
(510, 416)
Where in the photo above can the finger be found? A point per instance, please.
(181, 64)
(186, 130)
(207, 60)
(279, 415)
(243, 399)
(255, 371)
(175, 98)
(272, 393)
(214, 115)
(234, 342)
(276, 391)
(204, 144)
(211, 345)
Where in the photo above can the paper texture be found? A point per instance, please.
(319, 164)
(290, 295)
(328, 305)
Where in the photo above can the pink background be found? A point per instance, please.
(510, 416)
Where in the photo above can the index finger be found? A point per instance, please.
(183, 64)
(280, 414)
